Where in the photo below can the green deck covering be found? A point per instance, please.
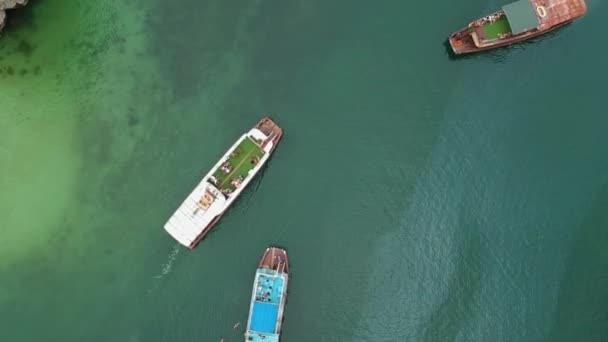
(493, 30)
(241, 161)
(521, 16)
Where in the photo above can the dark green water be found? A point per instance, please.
(421, 198)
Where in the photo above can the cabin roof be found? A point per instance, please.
(521, 16)
(264, 317)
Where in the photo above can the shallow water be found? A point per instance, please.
(420, 197)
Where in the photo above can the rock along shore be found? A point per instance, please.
(9, 4)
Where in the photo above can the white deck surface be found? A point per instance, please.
(189, 221)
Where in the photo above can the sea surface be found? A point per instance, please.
(420, 197)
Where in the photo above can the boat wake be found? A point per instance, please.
(166, 267)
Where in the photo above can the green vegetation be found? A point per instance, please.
(494, 29)
(240, 162)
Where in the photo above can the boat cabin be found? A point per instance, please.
(513, 19)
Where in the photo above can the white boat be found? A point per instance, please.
(206, 204)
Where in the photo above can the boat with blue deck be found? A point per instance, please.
(268, 297)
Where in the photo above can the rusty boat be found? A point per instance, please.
(516, 22)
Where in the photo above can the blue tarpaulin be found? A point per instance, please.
(264, 317)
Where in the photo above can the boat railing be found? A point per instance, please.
(281, 267)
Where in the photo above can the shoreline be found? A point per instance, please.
(8, 5)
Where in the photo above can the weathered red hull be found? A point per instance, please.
(550, 15)
(470, 47)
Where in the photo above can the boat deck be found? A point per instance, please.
(555, 12)
(275, 259)
(269, 287)
(494, 29)
(272, 131)
(195, 213)
(265, 315)
(243, 159)
(263, 338)
(268, 297)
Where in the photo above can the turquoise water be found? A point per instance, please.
(420, 197)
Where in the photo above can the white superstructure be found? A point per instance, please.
(206, 203)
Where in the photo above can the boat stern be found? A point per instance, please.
(455, 43)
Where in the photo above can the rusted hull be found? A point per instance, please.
(550, 15)
(468, 46)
